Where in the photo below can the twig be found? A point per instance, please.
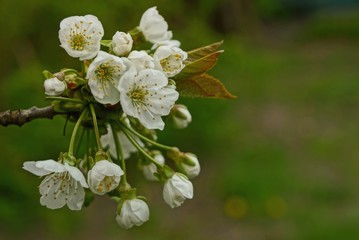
(22, 116)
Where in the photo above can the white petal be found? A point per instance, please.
(133, 212)
(140, 210)
(152, 78)
(111, 96)
(31, 167)
(148, 171)
(163, 52)
(127, 80)
(151, 121)
(76, 174)
(50, 165)
(53, 198)
(154, 27)
(76, 198)
(108, 168)
(162, 102)
(182, 185)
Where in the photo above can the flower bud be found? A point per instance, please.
(150, 169)
(190, 165)
(54, 87)
(104, 177)
(177, 189)
(121, 43)
(180, 116)
(132, 212)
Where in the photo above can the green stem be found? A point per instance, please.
(154, 143)
(65, 99)
(119, 153)
(95, 127)
(73, 136)
(133, 141)
(79, 142)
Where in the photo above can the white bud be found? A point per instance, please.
(54, 87)
(180, 116)
(104, 177)
(133, 212)
(121, 43)
(177, 189)
(191, 165)
(150, 169)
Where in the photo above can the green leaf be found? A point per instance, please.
(203, 86)
(47, 74)
(198, 66)
(202, 51)
(106, 43)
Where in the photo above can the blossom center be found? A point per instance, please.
(138, 95)
(78, 42)
(106, 73)
(171, 63)
(106, 184)
(59, 183)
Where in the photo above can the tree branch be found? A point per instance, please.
(22, 116)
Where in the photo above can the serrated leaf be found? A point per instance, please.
(202, 51)
(203, 86)
(198, 66)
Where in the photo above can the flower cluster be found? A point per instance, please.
(126, 88)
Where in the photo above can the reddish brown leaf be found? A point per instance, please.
(204, 86)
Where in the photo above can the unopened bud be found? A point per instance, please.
(54, 87)
(180, 116)
(190, 165)
(150, 169)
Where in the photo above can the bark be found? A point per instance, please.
(22, 116)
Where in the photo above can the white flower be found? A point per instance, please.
(180, 116)
(62, 185)
(81, 36)
(170, 43)
(54, 87)
(104, 177)
(121, 43)
(141, 60)
(104, 75)
(190, 165)
(127, 147)
(133, 212)
(146, 97)
(150, 169)
(170, 59)
(177, 189)
(154, 27)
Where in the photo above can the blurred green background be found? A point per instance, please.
(278, 162)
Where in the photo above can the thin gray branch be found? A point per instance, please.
(22, 116)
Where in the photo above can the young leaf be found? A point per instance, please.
(204, 86)
(202, 51)
(106, 43)
(47, 74)
(198, 66)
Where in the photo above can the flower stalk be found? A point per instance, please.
(95, 127)
(74, 131)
